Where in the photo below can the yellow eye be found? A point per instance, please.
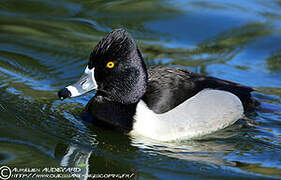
(110, 64)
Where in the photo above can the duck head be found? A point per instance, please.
(115, 70)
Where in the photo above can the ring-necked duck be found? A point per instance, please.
(162, 103)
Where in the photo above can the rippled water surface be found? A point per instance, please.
(45, 45)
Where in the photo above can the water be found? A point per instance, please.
(45, 45)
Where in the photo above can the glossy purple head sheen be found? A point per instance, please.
(123, 83)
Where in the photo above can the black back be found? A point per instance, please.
(168, 87)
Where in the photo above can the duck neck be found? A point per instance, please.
(111, 114)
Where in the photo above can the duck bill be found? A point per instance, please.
(85, 84)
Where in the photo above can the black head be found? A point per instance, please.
(115, 69)
(119, 70)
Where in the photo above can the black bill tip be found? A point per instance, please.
(64, 93)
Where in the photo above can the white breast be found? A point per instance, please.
(206, 112)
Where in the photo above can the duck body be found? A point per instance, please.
(179, 104)
(161, 103)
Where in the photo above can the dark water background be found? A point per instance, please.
(45, 45)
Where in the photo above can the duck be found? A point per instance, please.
(159, 102)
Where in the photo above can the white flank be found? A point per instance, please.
(206, 112)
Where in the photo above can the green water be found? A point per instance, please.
(45, 45)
